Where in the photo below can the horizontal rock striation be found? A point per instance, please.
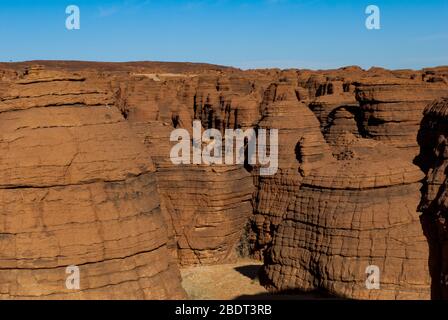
(77, 188)
(347, 216)
(301, 148)
(206, 207)
(86, 179)
(393, 110)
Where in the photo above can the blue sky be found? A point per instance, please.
(248, 34)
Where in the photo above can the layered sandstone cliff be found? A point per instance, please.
(346, 216)
(336, 208)
(77, 188)
(392, 110)
(206, 207)
(87, 179)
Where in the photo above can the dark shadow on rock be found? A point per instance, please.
(250, 271)
(430, 233)
(357, 114)
(256, 272)
(290, 295)
(427, 137)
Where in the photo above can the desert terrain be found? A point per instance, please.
(86, 180)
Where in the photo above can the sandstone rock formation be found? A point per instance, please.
(331, 212)
(205, 206)
(87, 180)
(349, 215)
(302, 147)
(77, 188)
(392, 110)
(434, 160)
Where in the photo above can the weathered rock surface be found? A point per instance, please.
(77, 188)
(346, 216)
(434, 160)
(334, 209)
(301, 148)
(80, 187)
(206, 207)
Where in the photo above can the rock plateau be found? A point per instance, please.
(86, 179)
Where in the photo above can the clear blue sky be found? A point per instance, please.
(247, 34)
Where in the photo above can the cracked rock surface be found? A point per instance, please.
(77, 188)
(86, 179)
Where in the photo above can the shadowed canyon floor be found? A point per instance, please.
(222, 282)
(86, 180)
(232, 281)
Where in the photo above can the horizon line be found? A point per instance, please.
(216, 65)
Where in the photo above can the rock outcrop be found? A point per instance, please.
(86, 179)
(393, 109)
(434, 160)
(77, 188)
(302, 148)
(346, 216)
(335, 209)
(206, 207)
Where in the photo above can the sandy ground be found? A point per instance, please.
(231, 281)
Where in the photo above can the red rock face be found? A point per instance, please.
(393, 111)
(87, 180)
(351, 206)
(206, 207)
(77, 188)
